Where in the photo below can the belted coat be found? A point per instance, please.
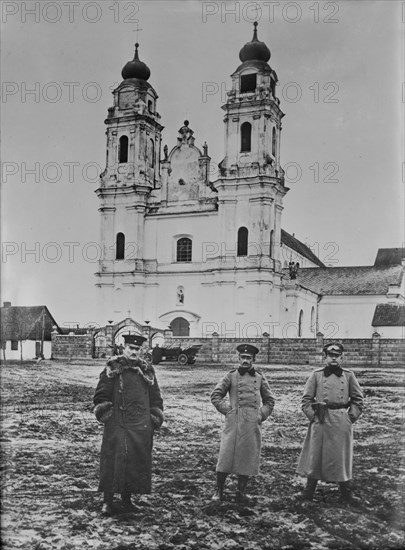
(250, 403)
(327, 453)
(137, 409)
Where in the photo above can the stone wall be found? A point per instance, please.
(374, 351)
(72, 346)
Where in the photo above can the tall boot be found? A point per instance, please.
(308, 492)
(346, 494)
(219, 494)
(241, 497)
(127, 505)
(108, 507)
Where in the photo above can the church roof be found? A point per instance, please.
(299, 247)
(352, 280)
(26, 323)
(389, 315)
(389, 256)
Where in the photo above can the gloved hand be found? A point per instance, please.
(103, 411)
(157, 417)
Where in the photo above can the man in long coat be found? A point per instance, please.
(128, 401)
(332, 401)
(250, 403)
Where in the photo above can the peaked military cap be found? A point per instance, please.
(333, 348)
(247, 348)
(134, 339)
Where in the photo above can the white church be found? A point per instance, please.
(203, 256)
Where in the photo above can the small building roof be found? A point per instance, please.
(389, 256)
(26, 323)
(389, 315)
(299, 247)
(352, 280)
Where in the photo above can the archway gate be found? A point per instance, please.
(106, 340)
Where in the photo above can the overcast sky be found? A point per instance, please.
(340, 69)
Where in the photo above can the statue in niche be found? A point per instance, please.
(140, 107)
(180, 296)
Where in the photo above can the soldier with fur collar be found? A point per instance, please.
(128, 401)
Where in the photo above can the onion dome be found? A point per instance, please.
(255, 50)
(136, 68)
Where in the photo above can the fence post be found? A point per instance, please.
(266, 347)
(319, 346)
(375, 350)
(215, 347)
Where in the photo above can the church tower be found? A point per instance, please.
(132, 172)
(250, 193)
(251, 184)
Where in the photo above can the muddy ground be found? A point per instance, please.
(51, 442)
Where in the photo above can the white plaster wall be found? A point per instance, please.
(390, 332)
(296, 301)
(160, 233)
(28, 347)
(348, 316)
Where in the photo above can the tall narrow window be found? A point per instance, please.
(242, 241)
(123, 149)
(313, 328)
(246, 137)
(120, 247)
(151, 153)
(271, 251)
(184, 250)
(273, 142)
(150, 106)
(300, 321)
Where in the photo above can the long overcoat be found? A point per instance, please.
(327, 453)
(126, 450)
(250, 403)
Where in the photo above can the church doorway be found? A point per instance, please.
(180, 327)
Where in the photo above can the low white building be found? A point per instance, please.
(26, 332)
(355, 302)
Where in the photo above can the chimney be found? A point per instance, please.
(6, 304)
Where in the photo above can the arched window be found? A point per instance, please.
(242, 241)
(123, 149)
(273, 142)
(151, 153)
(313, 328)
(184, 250)
(271, 251)
(120, 247)
(246, 137)
(300, 321)
(180, 327)
(150, 106)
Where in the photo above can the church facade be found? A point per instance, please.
(197, 255)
